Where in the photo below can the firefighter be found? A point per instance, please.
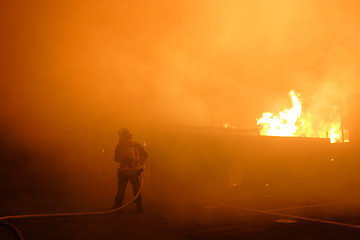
(131, 157)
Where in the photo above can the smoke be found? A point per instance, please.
(190, 63)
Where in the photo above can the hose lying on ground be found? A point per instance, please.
(20, 236)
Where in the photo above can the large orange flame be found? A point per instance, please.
(283, 124)
(293, 122)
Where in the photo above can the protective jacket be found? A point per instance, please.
(130, 154)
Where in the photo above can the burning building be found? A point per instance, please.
(291, 150)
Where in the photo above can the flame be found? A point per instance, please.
(335, 133)
(228, 126)
(294, 122)
(283, 124)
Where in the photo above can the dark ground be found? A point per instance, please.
(289, 179)
(235, 215)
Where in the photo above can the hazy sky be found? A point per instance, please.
(101, 65)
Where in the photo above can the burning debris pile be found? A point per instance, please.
(295, 122)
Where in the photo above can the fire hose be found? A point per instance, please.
(20, 236)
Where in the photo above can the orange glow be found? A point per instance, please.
(283, 124)
(294, 122)
(335, 133)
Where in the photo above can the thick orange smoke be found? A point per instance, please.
(76, 68)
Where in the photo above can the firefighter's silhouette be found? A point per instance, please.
(131, 157)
